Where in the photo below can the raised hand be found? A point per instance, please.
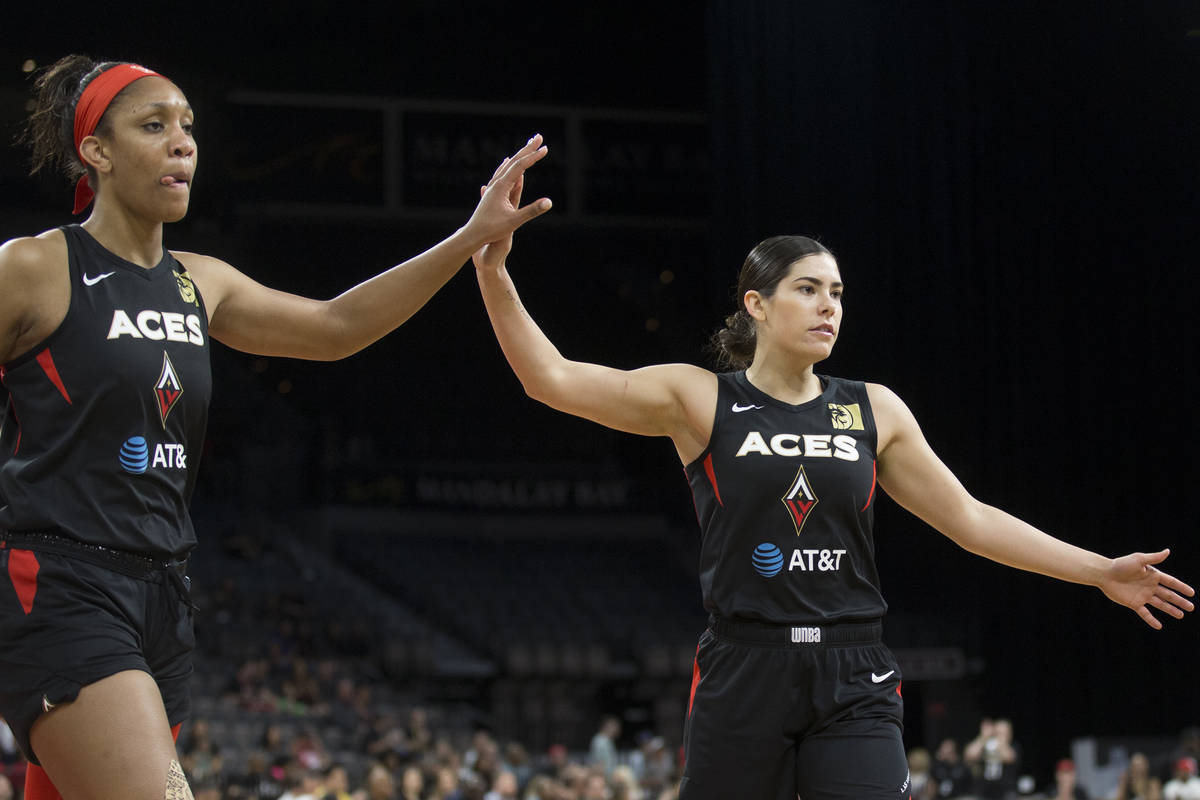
(499, 212)
(1134, 582)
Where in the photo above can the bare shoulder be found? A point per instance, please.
(694, 391)
(691, 384)
(884, 400)
(35, 290)
(892, 417)
(212, 276)
(200, 263)
(33, 256)
(687, 373)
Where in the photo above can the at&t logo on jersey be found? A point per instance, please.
(809, 445)
(135, 457)
(157, 326)
(768, 560)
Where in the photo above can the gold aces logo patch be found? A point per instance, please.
(845, 417)
(187, 289)
(168, 390)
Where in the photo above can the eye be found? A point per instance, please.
(188, 127)
(154, 126)
(837, 294)
(806, 288)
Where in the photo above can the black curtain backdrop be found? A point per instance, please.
(1010, 190)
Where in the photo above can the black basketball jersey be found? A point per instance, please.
(785, 498)
(105, 419)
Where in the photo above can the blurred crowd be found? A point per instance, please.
(407, 759)
(989, 767)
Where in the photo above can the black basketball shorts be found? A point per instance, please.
(66, 622)
(778, 712)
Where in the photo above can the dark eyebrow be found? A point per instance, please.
(161, 104)
(818, 282)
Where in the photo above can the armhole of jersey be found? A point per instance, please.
(698, 461)
(72, 299)
(182, 269)
(74, 274)
(868, 415)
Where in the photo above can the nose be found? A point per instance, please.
(182, 144)
(828, 304)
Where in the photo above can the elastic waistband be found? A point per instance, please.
(132, 564)
(796, 635)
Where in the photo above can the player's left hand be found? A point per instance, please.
(499, 212)
(1134, 582)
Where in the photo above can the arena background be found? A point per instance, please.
(1011, 192)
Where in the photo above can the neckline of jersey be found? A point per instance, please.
(102, 252)
(826, 390)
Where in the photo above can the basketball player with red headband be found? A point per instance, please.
(104, 338)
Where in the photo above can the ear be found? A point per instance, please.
(755, 305)
(95, 154)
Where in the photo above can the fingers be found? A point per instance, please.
(514, 194)
(532, 146)
(1166, 606)
(1167, 596)
(1170, 581)
(516, 167)
(1155, 558)
(499, 169)
(534, 209)
(1148, 618)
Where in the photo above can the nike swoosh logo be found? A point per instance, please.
(739, 409)
(881, 678)
(90, 281)
(47, 705)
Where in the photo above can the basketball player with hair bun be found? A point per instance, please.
(794, 693)
(104, 337)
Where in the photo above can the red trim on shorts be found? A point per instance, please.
(695, 680)
(23, 570)
(47, 362)
(712, 478)
(175, 731)
(898, 685)
(871, 496)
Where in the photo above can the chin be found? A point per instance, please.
(174, 214)
(821, 354)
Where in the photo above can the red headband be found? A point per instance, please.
(92, 104)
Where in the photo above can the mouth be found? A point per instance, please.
(180, 180)
(823, 329)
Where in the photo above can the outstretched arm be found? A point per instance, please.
(916, 478)
(251, 317)
(675, 400)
